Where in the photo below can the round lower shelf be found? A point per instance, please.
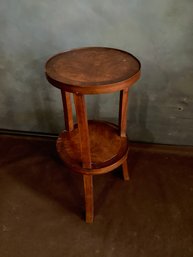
(108, 149)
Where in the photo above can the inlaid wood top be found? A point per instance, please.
(92, 67)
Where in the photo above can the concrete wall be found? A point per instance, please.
(159, 33)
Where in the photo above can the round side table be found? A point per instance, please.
(93, 147)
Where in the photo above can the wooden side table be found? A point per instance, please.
(93, 147)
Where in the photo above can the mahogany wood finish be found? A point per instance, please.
(107, 149)
(83, 130)
(125, 170)
(67, 107)
(93, 70)
(123, 112)
(89, 202)
(93, 147)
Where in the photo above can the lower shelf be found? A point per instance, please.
(108, 149)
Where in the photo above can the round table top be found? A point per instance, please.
(93, 70)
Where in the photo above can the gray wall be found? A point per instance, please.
(158, 32)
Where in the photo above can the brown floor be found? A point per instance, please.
(42, 204)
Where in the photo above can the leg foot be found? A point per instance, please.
(89, 202)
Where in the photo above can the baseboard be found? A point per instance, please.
(136, 146)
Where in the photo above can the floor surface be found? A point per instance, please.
(42, 204)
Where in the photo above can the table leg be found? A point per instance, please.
(123, 107)
(125, 170)
(83, 130)
(85, 154)
(67, 107)
(89, 201)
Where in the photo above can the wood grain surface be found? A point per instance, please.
(93, 147)
(93, 70)
(108, 150)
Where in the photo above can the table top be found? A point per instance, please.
(92, 70)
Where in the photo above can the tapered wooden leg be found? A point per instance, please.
(83, 130)
(125, 170)
(89, 201)
(67, 107)
(123, 106)
(85, 154)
